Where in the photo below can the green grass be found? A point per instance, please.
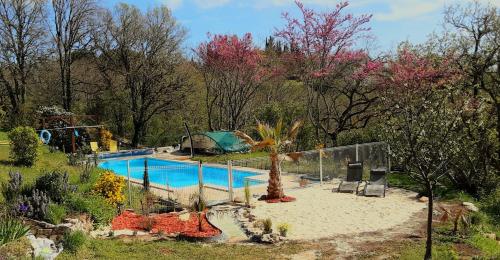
(227, 157)
(489, 247)
(4, 136)
(442, 252)
(119, 249)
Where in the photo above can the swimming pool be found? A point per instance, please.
(179, 174)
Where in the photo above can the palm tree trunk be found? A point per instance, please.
(274, 188)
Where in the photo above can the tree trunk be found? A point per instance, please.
(136, 139)
(334, 137)
(274, 189)
(428, 243)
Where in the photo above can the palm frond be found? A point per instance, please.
(294, 130)
(246, 138)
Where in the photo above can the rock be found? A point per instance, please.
(470, 206)
(423, 199)
(71, 220)
(44, 248)
(44, 232)
(270, 238)
(492, 236)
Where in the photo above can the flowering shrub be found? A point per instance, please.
(110, 186)
(24, 145)
(105, 138)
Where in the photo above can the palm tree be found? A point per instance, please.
(274, 139)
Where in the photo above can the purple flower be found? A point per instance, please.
(23, 208)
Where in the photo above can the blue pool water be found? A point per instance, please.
(178, 174)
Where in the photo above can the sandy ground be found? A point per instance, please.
(321, 213)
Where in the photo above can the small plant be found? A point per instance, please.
(12, 189)
(148, 223)
(198, 205)
(56, 185)
(268, 225)
(72, 241)
(283, 228)
(147, 202)
(35, 206)
(458, 216)
(259, 224)
(11, 230)
(56, 213)
(86, 171)
(110, 186)
(24, 145)
(248, 193)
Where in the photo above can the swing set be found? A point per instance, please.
(73, 124)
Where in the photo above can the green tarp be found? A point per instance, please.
(217, 142)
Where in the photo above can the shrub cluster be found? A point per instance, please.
(24, 145)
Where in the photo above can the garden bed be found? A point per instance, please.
(168, 223)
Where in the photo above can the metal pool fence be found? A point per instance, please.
(178, 183)
(175, 183)
(331, 164)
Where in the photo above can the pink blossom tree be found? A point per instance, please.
(341, 95)
(233, 71)
(422, 126)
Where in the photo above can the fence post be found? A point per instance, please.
(200, 179)
(389, 157)
(128, 180)
(357, 153)
(230, 179)
(320, 167)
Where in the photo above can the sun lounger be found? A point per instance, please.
(377, 184)
(94, 147)
(113, 146)
(353, 179)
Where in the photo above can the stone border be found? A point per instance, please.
(256, 234)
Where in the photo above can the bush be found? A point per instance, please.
(110, 186)
(56, 185)
(24, 145)
(74, 241)
(96, 206)
(56, 213)
(491, 205)
(11, 230)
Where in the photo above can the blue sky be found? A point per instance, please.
(393, 20)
